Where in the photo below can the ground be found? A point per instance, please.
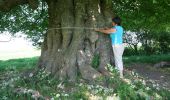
(159, 75)
(142, 81)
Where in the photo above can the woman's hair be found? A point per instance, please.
(116, 20)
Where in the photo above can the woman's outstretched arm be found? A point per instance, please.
(106, 31)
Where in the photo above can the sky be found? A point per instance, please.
(18, 47)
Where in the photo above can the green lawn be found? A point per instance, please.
(18, 64)
(147, 59)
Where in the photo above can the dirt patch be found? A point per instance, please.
(160, 75)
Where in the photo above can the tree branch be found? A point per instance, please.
(7, 5)
(33, 4)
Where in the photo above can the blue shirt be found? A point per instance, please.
(117, 37)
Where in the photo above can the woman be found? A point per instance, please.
(116, 35)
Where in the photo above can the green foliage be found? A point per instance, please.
(96, 61)
(149, 19)
(81, 94)
(143, 15)
(23, 19)
(162, 41)
(151, 43)
(122, 89)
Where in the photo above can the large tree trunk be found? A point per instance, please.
(66, 52)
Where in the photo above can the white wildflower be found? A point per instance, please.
(100, 89)
(133, 86)
(96, 91)
(30, 91)
(80, 84)
(57, 95)
(66, 95)
(60, 86)
(158, 88)
(147, 88)
(31, 74)
(52, 99)
(133, 73)
(158, 96)
(106, 90)
(143, 82)
(4, 98)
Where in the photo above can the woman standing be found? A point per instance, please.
(116, 35)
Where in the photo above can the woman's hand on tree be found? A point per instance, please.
(106, 28)
(97, 30)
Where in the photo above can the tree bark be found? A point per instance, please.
(66, 52)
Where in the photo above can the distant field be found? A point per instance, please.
(17, 47)
(6, 55)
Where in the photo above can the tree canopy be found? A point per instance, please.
(31, 19)
(138, 16)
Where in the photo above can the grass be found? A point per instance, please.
(95, 61)
(51, 88)
(146, 59)
(18, 64)
(23, 63)
(43, 84)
